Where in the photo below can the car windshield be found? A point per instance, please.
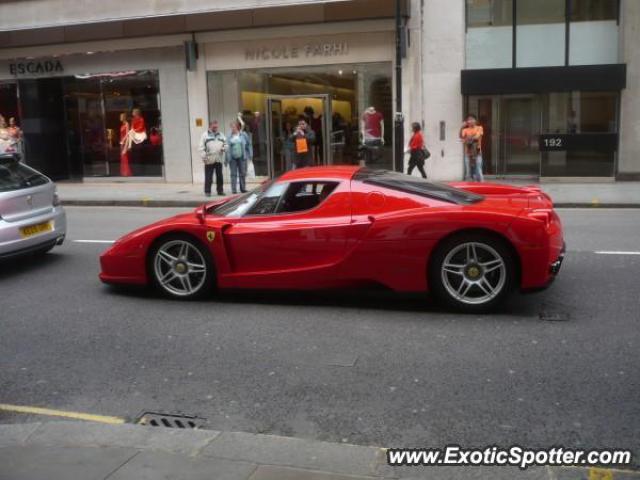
(417, 186)
(238, 206)
(16, 176)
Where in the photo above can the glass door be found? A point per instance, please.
(519, 150)
(283, 114)
(280, 148)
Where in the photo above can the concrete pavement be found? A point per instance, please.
(151, 194)
(82, 450)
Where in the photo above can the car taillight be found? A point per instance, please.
(56, 199)
(542, 215)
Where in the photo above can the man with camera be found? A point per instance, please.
(471, 135)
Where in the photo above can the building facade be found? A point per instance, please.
(555, 83)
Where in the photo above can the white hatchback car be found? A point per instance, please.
(31, 217)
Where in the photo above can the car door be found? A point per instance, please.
(274, 237)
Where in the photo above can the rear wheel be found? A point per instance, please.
(472, 272)
(181, 267)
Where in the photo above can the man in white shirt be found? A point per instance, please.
(212, 150)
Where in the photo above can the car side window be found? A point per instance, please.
(269, 200)
(302, 196)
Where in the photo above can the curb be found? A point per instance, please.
(134, 203)
(194, 204)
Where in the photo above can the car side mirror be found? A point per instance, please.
(201, 213)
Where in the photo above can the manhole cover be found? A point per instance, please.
(554, 316)
(168, 420)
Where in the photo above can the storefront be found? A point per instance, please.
(75, 112)
(340, 84)
(545, 79)
(556, 134)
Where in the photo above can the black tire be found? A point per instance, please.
(203, 284)
(479, 300)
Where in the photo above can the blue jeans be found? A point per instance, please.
(238, 167)
(476, 174)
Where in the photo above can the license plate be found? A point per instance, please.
(32, 230)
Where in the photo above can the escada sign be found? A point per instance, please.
(36, 67)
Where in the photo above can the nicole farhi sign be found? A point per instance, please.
(308, 50)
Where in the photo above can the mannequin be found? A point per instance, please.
(372, 133)
(125, 146)
(137, 136)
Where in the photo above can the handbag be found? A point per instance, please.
(302, 146)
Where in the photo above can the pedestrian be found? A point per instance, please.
(471, 135)
(417, 150)
(239, 151)
(304, 138)
(212, 150)
(288, 145)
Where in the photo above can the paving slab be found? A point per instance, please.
(70, 434)
(296, 452)
(55, 463)
(16, 433)
(157, 465)
(270, 472)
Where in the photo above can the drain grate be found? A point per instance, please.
(168, 420)
(554, 316)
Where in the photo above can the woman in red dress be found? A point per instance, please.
(125, 146)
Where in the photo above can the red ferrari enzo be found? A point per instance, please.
(469, 244)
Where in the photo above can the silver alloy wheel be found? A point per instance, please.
(473, 273)
(180, 268)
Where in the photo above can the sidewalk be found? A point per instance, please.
(146, 194)
(79, 450)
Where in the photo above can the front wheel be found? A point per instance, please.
(180, 267)
(472, 273)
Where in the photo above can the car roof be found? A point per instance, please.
(339, 172)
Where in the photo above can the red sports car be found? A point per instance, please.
(469, 244)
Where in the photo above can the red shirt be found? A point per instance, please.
(416, 142)
(373, 124)
(137, 124)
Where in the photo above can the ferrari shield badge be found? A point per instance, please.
(211, 236)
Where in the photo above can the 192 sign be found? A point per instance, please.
(553, 142)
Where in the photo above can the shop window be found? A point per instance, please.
(337, 102)
(115, 123)
(586, 123)
(89, 125)
(10, 123)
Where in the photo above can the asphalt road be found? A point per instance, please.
(378, 369)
